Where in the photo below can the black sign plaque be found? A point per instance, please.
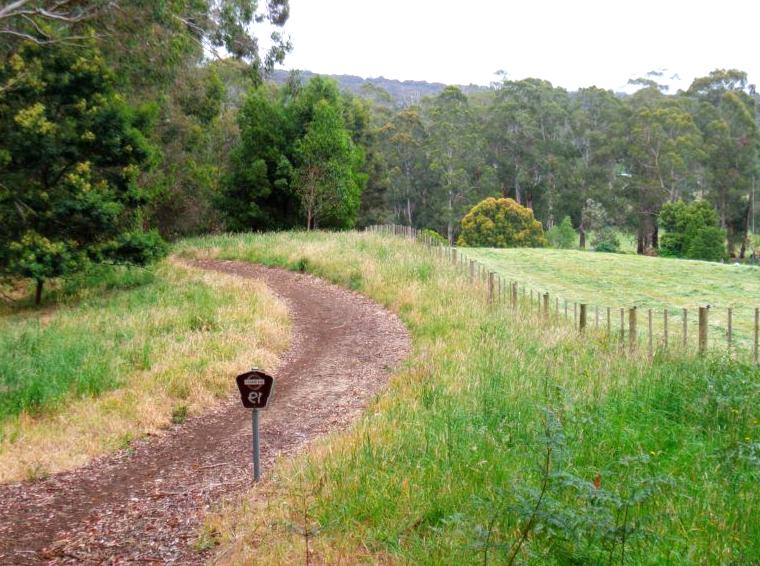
(255, 388)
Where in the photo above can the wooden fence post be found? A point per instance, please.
(490, 287)
(565, 309)
(514, 295)
(575, 314)
(665, 327)
(596, 316)
(546, 305)
(556, 305)
(454, 256)
(582, 321)
(622, 324)
(685, 327)
(472, 272)
(703, 313)
(633, 335)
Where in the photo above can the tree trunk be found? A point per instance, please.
(409, 211)
(582, 236)
(450, 226)
(655, 236)
(38, 292)
(731, 237)
(640, 237)
(518, 197)
(308, 219)
(747, 220)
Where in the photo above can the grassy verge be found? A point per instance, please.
(122, 356)
(617, 280)
(504, 440)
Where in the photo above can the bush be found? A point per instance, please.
(563, 235)
(501, 223)
(136, 248)
(707, 244)
(606, 240)
(691, 231)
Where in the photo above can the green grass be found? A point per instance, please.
(42, 363)
(116, 353)
(615, 280)
(89, 346)
(446, 464)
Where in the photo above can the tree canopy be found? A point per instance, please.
(70, 154)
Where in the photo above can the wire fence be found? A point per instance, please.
(640, 329)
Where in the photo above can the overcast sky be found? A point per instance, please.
(571, 43)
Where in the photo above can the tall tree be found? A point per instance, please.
(529, 141)
(405, 140)
(727, 115)
(598, 121)
(325, 178)
(456, 153)
(664, 147)
(70, 154)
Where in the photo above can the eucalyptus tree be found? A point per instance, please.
(727, 115)
(598, 123)
(663, 154)
(405, 141)
(529, 142)
(456, 150)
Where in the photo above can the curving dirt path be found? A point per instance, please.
(144, 505)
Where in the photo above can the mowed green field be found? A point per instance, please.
(617, 280)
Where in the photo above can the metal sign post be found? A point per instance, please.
(256, 453)
(255, 389)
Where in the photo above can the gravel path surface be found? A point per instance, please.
(145, 504)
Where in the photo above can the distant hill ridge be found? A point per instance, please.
(402, 92)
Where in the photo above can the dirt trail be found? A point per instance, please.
(144, 505)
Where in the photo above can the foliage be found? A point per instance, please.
(456, 157)
(606, 240)
(692, 231)
(501, 223)
(325, 180)
(563, 235)
(296, 160)
(601, 159)
(572, 515)
(74, 150)
(174, 28)
(727, 116)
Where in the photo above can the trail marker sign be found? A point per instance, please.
(255, 388)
